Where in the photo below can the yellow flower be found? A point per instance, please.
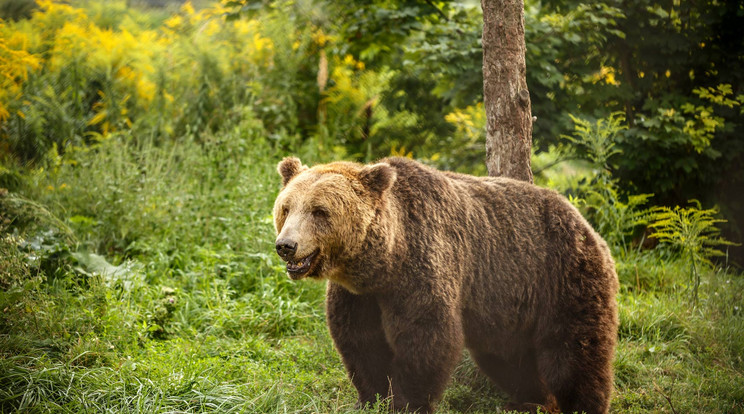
(71, 43)
(606, 74)
(51, 12)
(212, 28)
(260, 43)
(188, 8)
(321, 38)
(145, 90)
(610, 79)
(126, 73)
(174, 22)
(15, 63)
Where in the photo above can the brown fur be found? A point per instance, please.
(422, 263)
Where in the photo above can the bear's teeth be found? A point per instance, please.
(301, 265)
(296, 265)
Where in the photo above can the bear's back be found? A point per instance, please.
(508, 245)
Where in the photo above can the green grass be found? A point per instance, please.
(141, 278)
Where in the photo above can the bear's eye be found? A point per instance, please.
(320, 213)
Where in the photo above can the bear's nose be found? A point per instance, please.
(286, 248)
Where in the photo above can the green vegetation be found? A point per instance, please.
(137, 174)
(693, 231)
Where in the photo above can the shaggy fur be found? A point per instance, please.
(422, 263)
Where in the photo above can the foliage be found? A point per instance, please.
(468, 141)
(680, 143)
(289, 62)
(90, 77)
(597, 141)
(693, 231)
(15, 65)
(193, 286)
(615, 215)
(565, 60)
(16, 9)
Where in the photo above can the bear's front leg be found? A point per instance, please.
(356, 328)
(427, 342)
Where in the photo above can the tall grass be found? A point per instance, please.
(195, 315)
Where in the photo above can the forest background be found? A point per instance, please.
(138, 142)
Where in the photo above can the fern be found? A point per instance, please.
(616, 216)
(693, 232)
(616, 220)
(597, 140)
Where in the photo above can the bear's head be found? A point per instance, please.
(323, 214)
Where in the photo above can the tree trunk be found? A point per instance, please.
(505, 94)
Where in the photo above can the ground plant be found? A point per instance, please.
(138, 151)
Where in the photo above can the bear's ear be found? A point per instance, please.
(378, 177)
(288, 168)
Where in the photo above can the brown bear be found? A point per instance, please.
(421, 263)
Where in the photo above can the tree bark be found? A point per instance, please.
(505, 94)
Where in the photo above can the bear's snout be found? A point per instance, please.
(286, 248)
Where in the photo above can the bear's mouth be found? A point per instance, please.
(297, 269)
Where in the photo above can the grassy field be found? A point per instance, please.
(142, 278)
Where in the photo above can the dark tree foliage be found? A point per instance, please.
(670, 59)
(679, 67)
(673, 67)
(698, 47)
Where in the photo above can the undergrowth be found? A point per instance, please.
(151, 286)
